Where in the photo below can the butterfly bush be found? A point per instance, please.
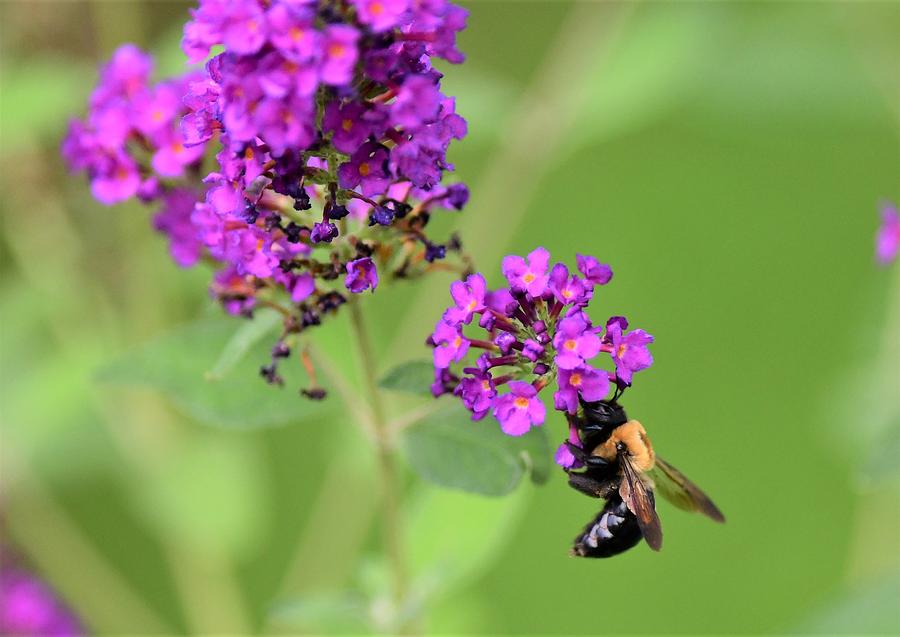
(304, 160)
(533, 334)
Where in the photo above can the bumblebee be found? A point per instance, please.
(621, 467)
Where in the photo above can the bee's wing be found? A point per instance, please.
(639, 501)
(681, 492)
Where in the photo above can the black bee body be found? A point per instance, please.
(613, 531)
(621, 467)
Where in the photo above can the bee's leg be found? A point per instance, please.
(591, 486)
(583, 457)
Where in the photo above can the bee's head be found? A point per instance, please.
(604, 413)
(600, 419)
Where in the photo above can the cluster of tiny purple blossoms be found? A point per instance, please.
(530, 334)
(330, 135)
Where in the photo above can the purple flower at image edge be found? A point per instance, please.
(887, 241)
(29, 607)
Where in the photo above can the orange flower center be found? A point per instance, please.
(575, 379)
(364, 169)
(521, 402)
(570, 344)
(529, 277)
(347, 124)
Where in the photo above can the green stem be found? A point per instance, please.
(391, 527)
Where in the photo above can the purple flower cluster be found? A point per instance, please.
(329, 132)
(29, 607)
(324, 110)
(887, 242)
(131, 139)
(531, 333)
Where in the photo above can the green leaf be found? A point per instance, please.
(413, 377)
(178, 364)
(246, 336)
(869, 609)
(209, 493)
(882, 462)
(445, 557)
(645, 73)
(325, 612)
(451, 450)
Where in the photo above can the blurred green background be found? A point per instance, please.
(726, 159)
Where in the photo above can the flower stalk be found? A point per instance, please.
(391, 488)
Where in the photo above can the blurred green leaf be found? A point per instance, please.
(179, 363)
(444, 556)
(39, 97)
(649, 70)
(870, 610)
(170, 59)
(246, 336)
(210, 494)
(485, 98)
(882, 462)
(450, 450)
(414, 377)
(324, 612)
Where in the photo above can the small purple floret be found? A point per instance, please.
(450, 345)
(575, 343)
(469, 298)
(628, 350)
(361, 275)
(520, 409)
(528, 276)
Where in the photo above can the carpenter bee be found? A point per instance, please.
(621, 467)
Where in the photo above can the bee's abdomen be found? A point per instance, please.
(613, 531)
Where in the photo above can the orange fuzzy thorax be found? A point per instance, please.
(633, 435)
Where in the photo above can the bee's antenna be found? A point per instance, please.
(619, 391)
